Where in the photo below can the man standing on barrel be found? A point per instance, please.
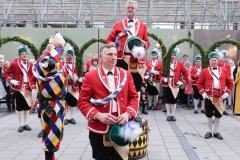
(128, 30)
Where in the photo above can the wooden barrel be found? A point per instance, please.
(138, 147)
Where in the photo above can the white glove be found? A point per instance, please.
(165, 79)
(15, 82)
(156, 72)
(179, 83)
(80, 79)
(205, 96)
(146, 77)
(225, 95)
(34, 95)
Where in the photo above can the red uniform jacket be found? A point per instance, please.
(74, 73)
(205, 81)
(89, 64)
(157, 67)
(225, 66)
(194, 75)
(141, 32)
(179, 70)
(15, 71)
(94, 86)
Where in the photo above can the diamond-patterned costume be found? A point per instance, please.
(51, 83)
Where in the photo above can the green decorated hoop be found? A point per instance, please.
(162, 46)
(216, 45)
(167, 57)
(84, 47)
(30, 45)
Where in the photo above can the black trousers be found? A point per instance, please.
(197, 95)
(211, 109)
(182, 96)
(137, 79)
(99, 151)
(168, 96)
(71, 100)
(21, 104)
(9, 98)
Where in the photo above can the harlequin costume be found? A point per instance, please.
(51, 82)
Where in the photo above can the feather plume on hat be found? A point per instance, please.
(131, 130)
(223, 53)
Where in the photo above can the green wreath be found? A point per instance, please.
(22, 41)
(216, 45)
(162, 46)
(83, 49)
(167, 57)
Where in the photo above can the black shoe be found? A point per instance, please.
(154, 108)
(226, 113)
(145, 112)
(66, 121)
(164, 109)
(20, 129)
(149, 108)
(73, 121)
(208, 135)
(169, 118)
(27, 128)
(173, 118)
(203, 111)
(40, 134)
(9, 108)
(195, 112)
(218, 136)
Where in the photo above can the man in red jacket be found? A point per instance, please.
(171, 84)
(154, 67)
(121, 32)
(72, 86)
(22, 81)
(215, 85)
(195, 72)
(223, 64)
(107, 96)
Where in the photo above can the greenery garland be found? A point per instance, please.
(30, 45)
(162, 46)
(167, 57)
(218, 44)
(82, 50)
